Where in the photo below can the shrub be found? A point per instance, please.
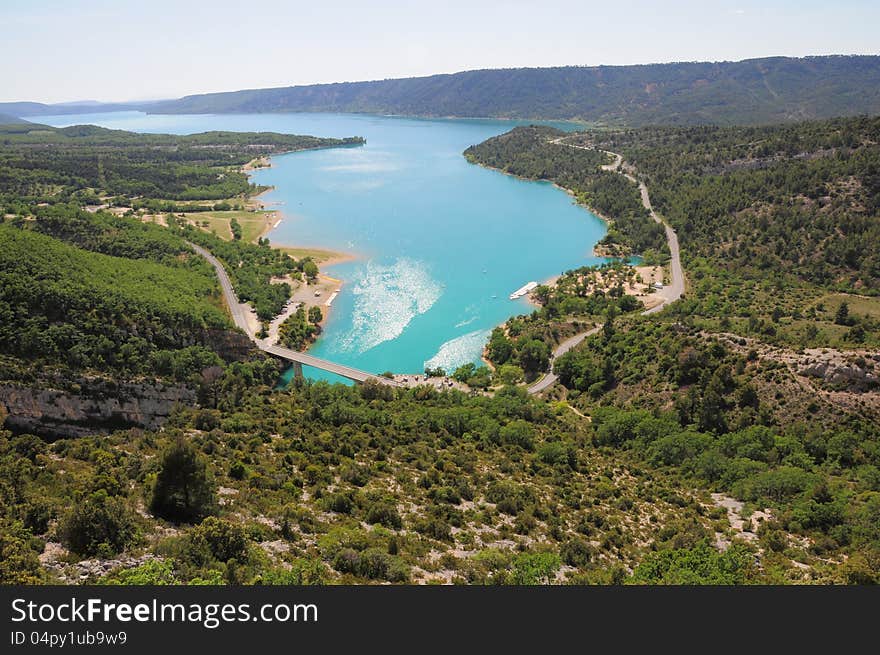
(534, 568)
(554, 452)
(371, 563)
(238, 471)
(99, 525)
(339, 503)
(518, 433)
(694, 566)
(384, 514)
(301, 572)
(577, 552)
(152, 572)
(218, 539)
(19, 564)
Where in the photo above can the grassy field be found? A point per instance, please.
(253, 224)
(858, 305)
(318, 255)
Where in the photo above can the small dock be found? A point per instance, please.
(523, 290)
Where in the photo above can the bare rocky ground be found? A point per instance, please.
(742, 527)
(847, 379)
(55, 559)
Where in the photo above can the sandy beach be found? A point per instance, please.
(325, 287)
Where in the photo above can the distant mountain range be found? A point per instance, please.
(9, 119)
(29, 109)
(754, 91)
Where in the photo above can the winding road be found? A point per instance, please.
(240, 312)
(669, 293)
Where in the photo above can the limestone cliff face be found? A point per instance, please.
(90, 405)
(53, 405)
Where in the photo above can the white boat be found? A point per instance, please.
(523, 290)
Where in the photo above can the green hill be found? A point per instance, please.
(746, 92)
(60, 303)
(46, 163)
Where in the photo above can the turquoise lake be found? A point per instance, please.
(441, 243)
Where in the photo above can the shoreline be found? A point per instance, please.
(326, 257)
(327, 286)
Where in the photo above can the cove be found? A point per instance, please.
(440, 243)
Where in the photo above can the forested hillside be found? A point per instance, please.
(59, 303)
(531, 152)
(762, 381)
(746, 92)
(9, 119)
(801, 199)
(103, 302)
(41, 163)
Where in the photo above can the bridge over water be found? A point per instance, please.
(239, 313)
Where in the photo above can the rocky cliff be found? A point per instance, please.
(90, 405)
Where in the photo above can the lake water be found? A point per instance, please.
(441, 243)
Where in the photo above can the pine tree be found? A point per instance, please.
(184, 490)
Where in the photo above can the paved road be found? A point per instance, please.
(239, 317)
(237, 309)
(550, 378)
(669, 293)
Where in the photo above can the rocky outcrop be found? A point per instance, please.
(54, 559)
(90, 405)
(849, 375)
(51, 404)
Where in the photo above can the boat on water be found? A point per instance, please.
(523, 290)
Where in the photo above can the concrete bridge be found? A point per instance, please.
(239, 312)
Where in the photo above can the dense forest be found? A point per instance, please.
(801, 199)
(41, 163)
(753, 91)
(88, 310)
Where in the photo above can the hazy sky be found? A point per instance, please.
(60, 50)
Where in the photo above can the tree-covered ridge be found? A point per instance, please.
(755, 91)
(801, 199)
(60, 304)
(9, 119)
(120, 236)
(532, 152)
(252, 267)
(38, 162)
